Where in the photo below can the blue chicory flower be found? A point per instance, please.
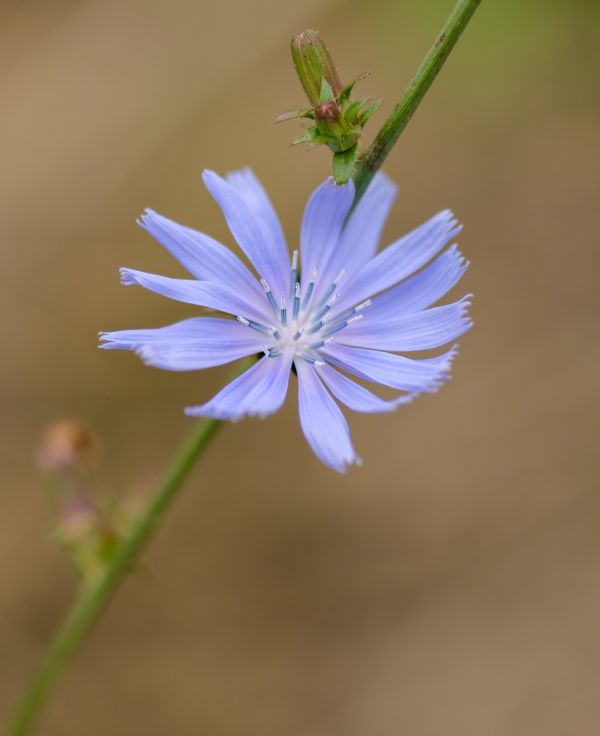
(351, 309)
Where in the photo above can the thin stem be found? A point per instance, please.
(92, 600)
(414, 93)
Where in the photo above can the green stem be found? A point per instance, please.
(414, 93)
(92, 600)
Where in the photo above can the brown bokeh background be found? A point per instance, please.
(451, 585)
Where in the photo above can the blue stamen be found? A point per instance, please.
(340, 325)
(256, 326)
(321, 343)
(322, 312)
(269, 294)
(296, 306)
(294, 273)
(312, 361)
(310, 289)
(333, 286)
(271, 352)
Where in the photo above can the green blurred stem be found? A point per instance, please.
(94, 598)
(372, 160)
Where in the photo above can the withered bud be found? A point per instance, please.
(78, 519)
(67, 444)
(328, 111)
(314, 64)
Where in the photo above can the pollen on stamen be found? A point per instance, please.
(294, 272)
(322, 312)
(340, 276)
(255, 325)
(333, 286)
(316, 327)
(296, 306)
(308, 359)
(356, 318)
(363, 305)
(321, 343)
(269, 294)
(311, 286)
(271, 352)
(341, 325)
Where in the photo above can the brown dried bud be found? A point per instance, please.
(67, 444)
(328, 111)
(78, 518)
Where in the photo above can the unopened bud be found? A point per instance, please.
(338, 121)
(67, 444)
(78, 519)
(328, 112)
(314, 64)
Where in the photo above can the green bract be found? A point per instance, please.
(338, 120)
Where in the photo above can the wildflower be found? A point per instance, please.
(350, 309)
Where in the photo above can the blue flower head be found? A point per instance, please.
(348, 312)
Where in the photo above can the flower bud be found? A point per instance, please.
(338, 121)
(67, 444)
(78, 519)
(313, 65)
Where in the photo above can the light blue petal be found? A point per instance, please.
(260, 391)
(193, 357)
(430, 328)
(400, 259)
(396, 371)
(246, 184)
(204, 257)
(423, 289)
(200, 342)
(323, 424)
(322, 223)
(355, 396)
(361, 235)
(249, 217)
(193, 329)
(201, 293)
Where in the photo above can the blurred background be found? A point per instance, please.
(451, 584)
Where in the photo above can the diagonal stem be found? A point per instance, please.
(414, 93)
(93, 600)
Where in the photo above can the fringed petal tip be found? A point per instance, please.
(106, 341)
(146, 218)
(127, 277)
(355, 462)
(444, 374)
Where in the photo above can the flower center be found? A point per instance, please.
(303, 325)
